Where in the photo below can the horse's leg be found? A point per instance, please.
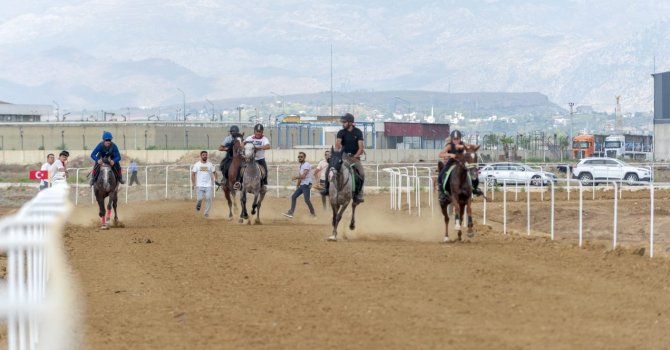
(336, 220)
(260, 196)
(444, 205)
(116, 216)
(101, 209)
(243, 202)
(226, 191)
(352, 225)
(457, 218)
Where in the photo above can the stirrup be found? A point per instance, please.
(237, 186)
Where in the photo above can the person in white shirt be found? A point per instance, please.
(203, 178)
(58, 171)
(261, 143)
(44, 183)
(320, 173)
(303, 186)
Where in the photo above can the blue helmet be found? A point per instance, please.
(106, 135)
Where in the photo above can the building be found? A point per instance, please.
(415, 135)
(12, 113)
(661, 116)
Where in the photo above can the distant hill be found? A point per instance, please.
(473, 104)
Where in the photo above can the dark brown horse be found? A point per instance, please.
(229, 182)
(460, 190)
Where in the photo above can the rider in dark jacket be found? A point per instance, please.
(227, 146)
(451, 149)
(106, 149)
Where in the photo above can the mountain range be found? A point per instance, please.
(125, 53)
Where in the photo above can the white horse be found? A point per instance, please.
(251, 183)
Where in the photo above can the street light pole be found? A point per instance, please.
(211, 104)
(57, 109)
(571, 104)
(184, 103)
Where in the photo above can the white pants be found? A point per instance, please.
(207, 192)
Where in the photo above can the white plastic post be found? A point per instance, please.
(651, 220)
(581, 192)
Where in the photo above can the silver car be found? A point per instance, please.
(514, 173)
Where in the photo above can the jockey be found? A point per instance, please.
(227, 146)
(261, 143)
(454, 147)
(106, 148)
(350, 140)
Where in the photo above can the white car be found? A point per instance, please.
(514, 173)
(593, 169)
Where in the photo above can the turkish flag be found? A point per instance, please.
(39, 174)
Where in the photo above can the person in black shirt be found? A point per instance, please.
(350, 140)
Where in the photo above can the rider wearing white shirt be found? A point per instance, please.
(261, 143)
(44, 183)
(203, 178)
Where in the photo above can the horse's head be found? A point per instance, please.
(470, 158)
(336, 160)
(249, 151)
(238, 145)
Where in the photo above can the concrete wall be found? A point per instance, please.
(661, 142)
(171, 156)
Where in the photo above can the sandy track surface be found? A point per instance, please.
(171, 279)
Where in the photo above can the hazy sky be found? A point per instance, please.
(137, 52)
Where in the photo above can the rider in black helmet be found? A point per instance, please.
(350, 140)
(227, 146)
(451, 149)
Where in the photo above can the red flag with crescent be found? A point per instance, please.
(39, 174)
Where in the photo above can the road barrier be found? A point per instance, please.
(36, 299)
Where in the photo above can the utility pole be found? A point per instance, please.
(331, 81)
(571, 104)
(239, 112)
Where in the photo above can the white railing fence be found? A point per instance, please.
(405, 180)
(36, 297)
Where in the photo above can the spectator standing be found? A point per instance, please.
(58, 171)
(320, 172)
(132, 168)
(44, 183)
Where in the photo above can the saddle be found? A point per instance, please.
(445, 180)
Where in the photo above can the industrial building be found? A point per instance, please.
(661, 116)
(13, 113)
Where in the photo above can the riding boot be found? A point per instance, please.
(326, 186)
(359, 193)
(475, 188)
(121, 179)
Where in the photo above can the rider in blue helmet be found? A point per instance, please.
(106, 150)
(453, 147)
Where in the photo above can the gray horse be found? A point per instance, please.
(341, 190)
(106, 186)
(251, 183)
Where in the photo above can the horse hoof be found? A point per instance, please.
(457, 227)
(104, 227)
(446, 240)
(241, 221)
(352, 227)
(332, 238)
(253, 211)
(470, 234)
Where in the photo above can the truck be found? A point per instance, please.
(629, 146)
(590, 145)
(615, 146)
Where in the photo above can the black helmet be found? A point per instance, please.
(347, 118)
(234, 129)
(258, 127)
(456, 134)
(64, 153)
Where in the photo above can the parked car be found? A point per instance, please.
(513, 173)
(590, 170)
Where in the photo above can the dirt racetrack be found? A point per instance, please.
(171, 279)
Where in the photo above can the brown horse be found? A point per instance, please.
(229, 182)
(460, 190)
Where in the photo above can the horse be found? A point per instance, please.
(341, 189)
(460, 190)
(106, 186)
(229, 182)
(251, 183)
